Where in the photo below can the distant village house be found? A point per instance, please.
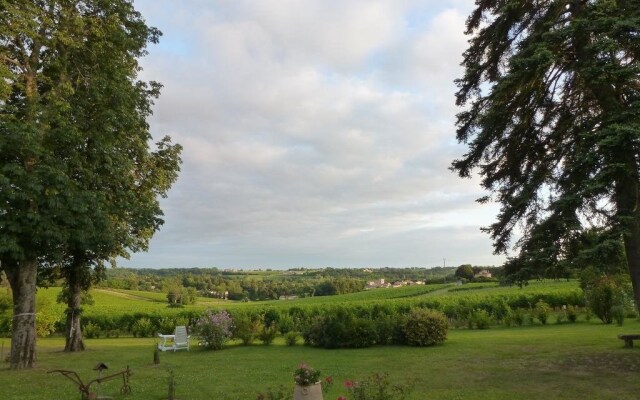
(381, 283)
(483, 274)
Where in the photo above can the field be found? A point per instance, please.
(109, 301)
(554, 361)
(567, 361)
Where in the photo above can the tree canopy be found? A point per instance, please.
(551, 116)
(79, 183)
(465, 271)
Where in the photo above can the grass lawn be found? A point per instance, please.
(568, 361)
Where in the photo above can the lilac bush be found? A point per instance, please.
(214, 329)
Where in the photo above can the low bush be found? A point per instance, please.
(166, 325)
(518, 316)
(541, 311)
(285, 324)
(47, 316)
(480, 319)
(606, 295)
(114, 333)
(91, 331)
(618, 314)
(268, 334)
(246, 328)
(214, 329)
(339, 328)
(291, 338)
(425, 327)
(572, 313)
(143, 328)
(502, 311)
(270, 318)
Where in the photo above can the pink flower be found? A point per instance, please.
(348, 384)
(342, 398)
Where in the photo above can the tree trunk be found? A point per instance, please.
(628, 209)
(632, 248)
(22, 278)
(629, 203)
(73, 330)
(627, 185)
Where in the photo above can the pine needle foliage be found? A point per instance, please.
(550, 102)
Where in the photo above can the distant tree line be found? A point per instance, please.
(182, 284)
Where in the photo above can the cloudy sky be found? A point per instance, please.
(316, 133)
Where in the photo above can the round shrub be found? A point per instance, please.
(572, 313)
(47, 317)
(91, 331)
(604, 293)
(617, 313)
(246, 328)
(270, 318)
(291, 338)
(46, 320)
(214, 329)
(143, 328)
(480, 319)
(425, 327)
(541, 311)
(268, 334)
(502, 311)
(285, 324)
(518, 316)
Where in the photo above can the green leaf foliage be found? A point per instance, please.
(79, 183)
(425, 327)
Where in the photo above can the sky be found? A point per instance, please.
(316, 133)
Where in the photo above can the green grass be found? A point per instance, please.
(567, 361)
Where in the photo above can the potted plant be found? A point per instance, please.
(308, 386)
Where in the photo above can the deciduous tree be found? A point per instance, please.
(465, 271)
(79, 183)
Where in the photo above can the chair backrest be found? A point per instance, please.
(181, 334)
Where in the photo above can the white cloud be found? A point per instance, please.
(314, 132)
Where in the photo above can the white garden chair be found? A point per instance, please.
(179, 340)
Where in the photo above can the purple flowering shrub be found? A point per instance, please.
(214, 329)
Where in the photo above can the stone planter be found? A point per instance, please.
(311, 392)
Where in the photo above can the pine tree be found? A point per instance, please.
(551, 117)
